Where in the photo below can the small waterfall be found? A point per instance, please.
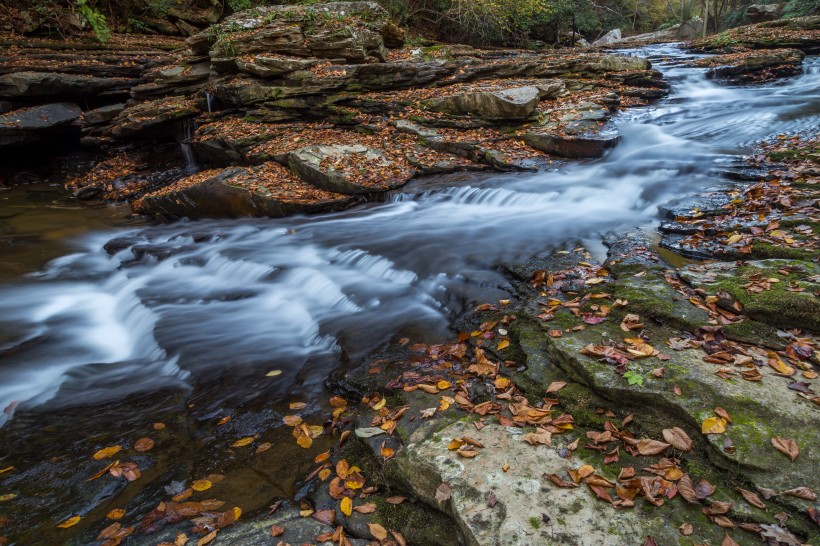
(209, 98)
(191, 165)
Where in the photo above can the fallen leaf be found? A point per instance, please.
(273, 373)
(786, 446)
(116, 513)
(443, 492)
(686, 529)
(714, 425)
(207, 538)
(367, 508)
(556, 386)
(201, 485)
(378, 532)
(677, 438)
(801, 493)
(242, 442)
(396, 499)
(144, 444)
(70, 522)
(106, 452)
(646, 446)
(277, 531)
(346, 506)
(727, 541)
(751, 498)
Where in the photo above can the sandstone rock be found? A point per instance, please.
(53, 84)
(761, 65)
(317, 165)
(236, 192)
(103, 114)
(579, 147)
(350, 30)
(690, 29)
(517, 103)
(267, 66)
(145, 119)
(30, 124)
(610, 37)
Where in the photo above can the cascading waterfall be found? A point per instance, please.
(188, 154)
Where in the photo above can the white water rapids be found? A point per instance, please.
(190, 302)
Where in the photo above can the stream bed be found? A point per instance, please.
(108, 324)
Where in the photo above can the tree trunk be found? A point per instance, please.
(705, 16)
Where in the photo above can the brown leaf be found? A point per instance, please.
(207, 538)
(677, 438)
(396, 499)
(144, 444)
(723, 413)
(786, 446)
(556, 386)
(686, 529)
(647, 446)
(727, 541)
(703, 489)
(277, 531)
(378, 532)
(718, 508)
(802, 493)
(443, 492)
(751, 498)
(367, 508)
(687, 489)
(106, 452)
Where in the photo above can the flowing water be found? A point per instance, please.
(189, 304)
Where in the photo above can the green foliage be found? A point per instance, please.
(95, 20)
(800, 8)
(241, 5)
(634, 378)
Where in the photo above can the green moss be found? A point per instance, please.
(425, 525)
(534, 522)
(765, 251)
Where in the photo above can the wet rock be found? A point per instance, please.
(579, 147)
(517, 103)
(317, 166)
(27, 85)
(147, 118)
(801, 33)
(610, 37)
(30, 124)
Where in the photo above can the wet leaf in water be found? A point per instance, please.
(201, 485)
(297, 406)
(70, 522)
(273, 373)
(144, 444)
(292, 420)
(242, 442)
(116, 513)
(159, 426)
(7, 497)
(786, 446)
(264, 446)
(106, 452)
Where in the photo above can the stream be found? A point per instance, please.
(117, 307)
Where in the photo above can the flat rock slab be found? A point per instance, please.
(530, 509)
(268, 190)
(29, 124)
(517, 103)
(335, 168)
(53, 84)
(579, 147)
(754, 66)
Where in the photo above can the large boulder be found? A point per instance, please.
(690, 29)
(610, 37)
(517, 103)
(757, 13)
(31, 124)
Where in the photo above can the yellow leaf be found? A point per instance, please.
(503, 344)
(9, 468)
(244, 441)
(714, 425)
(273, 373)
(380, 404)
(455, 444)
(7, 497)
(443, 385)
(201, 485)
(346, 506)
(70, 522)
(501, 383)
(304, 440)
(324, 474)
(106, 452)
(116, 513)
